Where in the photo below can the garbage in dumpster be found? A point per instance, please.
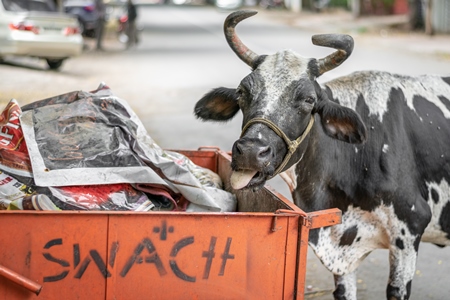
(110, 197)
(13, 150)
(33, 202)
(90, 151)
(18, 196)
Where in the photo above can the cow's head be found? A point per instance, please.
(279, 100)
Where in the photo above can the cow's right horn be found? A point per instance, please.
(342, 42)
(244, 53)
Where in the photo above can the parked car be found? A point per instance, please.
(35, 28)
(87, 14)
(229, 4)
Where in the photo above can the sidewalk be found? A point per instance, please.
(391, 29)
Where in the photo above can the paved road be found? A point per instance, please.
(183, 55)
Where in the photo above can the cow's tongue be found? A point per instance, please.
(240, 179)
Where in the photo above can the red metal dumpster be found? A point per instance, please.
(258, 252)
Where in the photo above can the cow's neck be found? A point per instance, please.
(316, 179)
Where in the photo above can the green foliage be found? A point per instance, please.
(388, 3)
(339, 3)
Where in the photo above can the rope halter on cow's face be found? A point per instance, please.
(343, 43)
(292, 145)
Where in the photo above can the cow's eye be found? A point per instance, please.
(310, 100)
(240, 91)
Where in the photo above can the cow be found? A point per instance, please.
(375, 145)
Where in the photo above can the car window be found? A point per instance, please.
(29, 5)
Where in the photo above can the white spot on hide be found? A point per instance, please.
(278, 71)
(376, 230)
(349, 282)
(433, 233)
(376, 86)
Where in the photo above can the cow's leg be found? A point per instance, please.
(402, 269)
(406, 228)
(345, 286)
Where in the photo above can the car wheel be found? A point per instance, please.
(90, 33)
(54, 64)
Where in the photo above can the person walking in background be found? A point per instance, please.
(99, 31)
(131, 26)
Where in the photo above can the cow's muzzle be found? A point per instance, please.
(292, 145)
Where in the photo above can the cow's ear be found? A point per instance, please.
(341, 122)
(220, 104)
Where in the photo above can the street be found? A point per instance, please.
(182, 55)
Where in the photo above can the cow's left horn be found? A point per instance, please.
(342, 42)
(244, 53)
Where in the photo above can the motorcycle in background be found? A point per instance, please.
(122, 36)
(122, 28)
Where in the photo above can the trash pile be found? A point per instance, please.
(89, 151)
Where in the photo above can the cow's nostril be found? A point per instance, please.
(239, 148)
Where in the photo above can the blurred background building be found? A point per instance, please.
(433, 16)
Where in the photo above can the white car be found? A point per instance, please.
(229, 4)
(35, 28)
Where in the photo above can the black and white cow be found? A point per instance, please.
(373, 144)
